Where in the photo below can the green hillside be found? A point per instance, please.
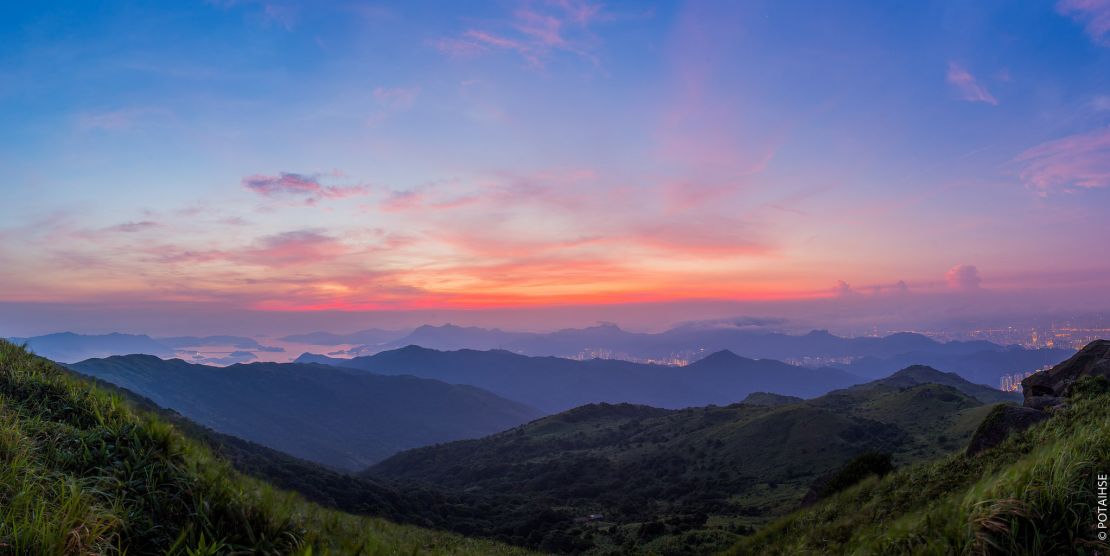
(1033, 494)
(918, 374)
(682, 481)
(82, 472)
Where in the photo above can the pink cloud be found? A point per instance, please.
(544, 29)
(582, 13)
(171, 255)
(294, 248)
(430, 196)
(844, 289)
(703, 236)
(714, 145)
(534, 33)
(494, 40)
(963, 277)
(286, 249)
(300, 185)
(967, 86)
(1093, 14)
(1080, 161)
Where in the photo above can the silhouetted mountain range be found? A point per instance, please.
(978, 361)
(688, 338)
(67, 347)
(983, 367)
(343, 418)
(556, 384)
(923, 374)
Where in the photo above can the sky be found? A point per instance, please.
(194, 167)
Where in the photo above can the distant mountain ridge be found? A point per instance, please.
(749, 343)
(923, 374)
(339, 417)
(67, 347)
(982, 367)
(556, 384)
(868, 357)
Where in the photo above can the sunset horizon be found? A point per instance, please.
(513, 159)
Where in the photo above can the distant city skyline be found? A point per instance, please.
(273, 167)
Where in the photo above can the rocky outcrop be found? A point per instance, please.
(1092, 360)
(1000, 423)
(1045, 392)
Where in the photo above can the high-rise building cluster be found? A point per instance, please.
(1012, 382)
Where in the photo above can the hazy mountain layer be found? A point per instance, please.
(688, 341)
(343, 418)
(555, 384)
(982, 367)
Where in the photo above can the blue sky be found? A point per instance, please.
(407, 157)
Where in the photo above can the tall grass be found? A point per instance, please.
(1034, 494)
(83, 473)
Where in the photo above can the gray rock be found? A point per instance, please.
(1092, 360)
(1044, 402)
(1045, 393)
(1001, 422)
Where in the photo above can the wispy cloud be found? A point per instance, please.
(967, 86)
(121, 118)
(1075, 162)
(308, 187)
(434, 196)
(1093, 14)
(130, 227)
(293, 248)
(534, 32)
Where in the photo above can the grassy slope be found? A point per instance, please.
(705, 474)
(81, 472)
(1034, 494)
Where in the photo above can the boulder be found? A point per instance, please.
(1092, 360)
(1001, 422)
(1044, 403)
(1045, 393)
